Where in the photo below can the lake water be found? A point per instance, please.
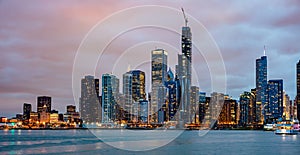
(189, 142)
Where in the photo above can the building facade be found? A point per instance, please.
(159, 66)
(275, 100)
(110, 92)
(89, 105)
(261, 89)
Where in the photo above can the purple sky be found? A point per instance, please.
(39, 40)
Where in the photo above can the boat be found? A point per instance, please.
(296, 125)
(269, 127)
(285, 127)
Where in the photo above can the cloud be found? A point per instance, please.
(39, 42)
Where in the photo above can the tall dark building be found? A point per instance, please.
(89, 106)
(298, 90)
(26, 111)
(275, 100)
(41, 101)
(261, 88)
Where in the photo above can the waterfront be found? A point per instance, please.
(84, 142)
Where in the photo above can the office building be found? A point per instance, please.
(110, 92)
(26, 111)
(261, 89)
(89, 106)
(158, 78)
(275, 101)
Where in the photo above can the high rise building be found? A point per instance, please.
(143, 111)
(194, 104)
(26, 111)
(134, 91)
(184, 72)
(275, 98)
(127, 93)
(202, 107)
(173, 96)
(247, 109)
(286, 106)
(261, 89)
(110, 93)
(215, 107)
(43, 101)
(159, 76)
(228, 115)
(298, 90)
(89, 106)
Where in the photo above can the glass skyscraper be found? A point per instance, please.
(89, 105)
(261, 89)
(110, 92)
(159, 76)
(275, 98)
(184, 72)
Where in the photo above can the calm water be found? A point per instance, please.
(84, 142)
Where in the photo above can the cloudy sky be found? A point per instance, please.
(39, 41)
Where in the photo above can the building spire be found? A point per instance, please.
(185, 18)
(128, 68)
(264, 50)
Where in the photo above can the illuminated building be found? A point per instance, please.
(261, 89)
(194, 103)
(202, 107)
(43, 101)
(159, 76)
(275, 97)
(26, 111)
(127, 93)
(143, 111)
(34, 117)
(228, 115)
(247, 109)
(173, 96)
(53, 117)
(286, 106)
(44, 115)
(110, 92)
(89, 105)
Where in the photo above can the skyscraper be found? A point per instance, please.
(26, 111)
(247, 108)
(89, 105)
(275, 98)
(298, 90)
(184, 72)
(173, 96)
(41, 101)
(127, 92)
(194, 103)
(261, 88)
(159, 76)
(110, 92)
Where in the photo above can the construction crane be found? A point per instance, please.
(185, 18)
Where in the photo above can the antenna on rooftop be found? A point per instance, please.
(185, 18)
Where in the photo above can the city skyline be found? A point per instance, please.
(48, 73)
